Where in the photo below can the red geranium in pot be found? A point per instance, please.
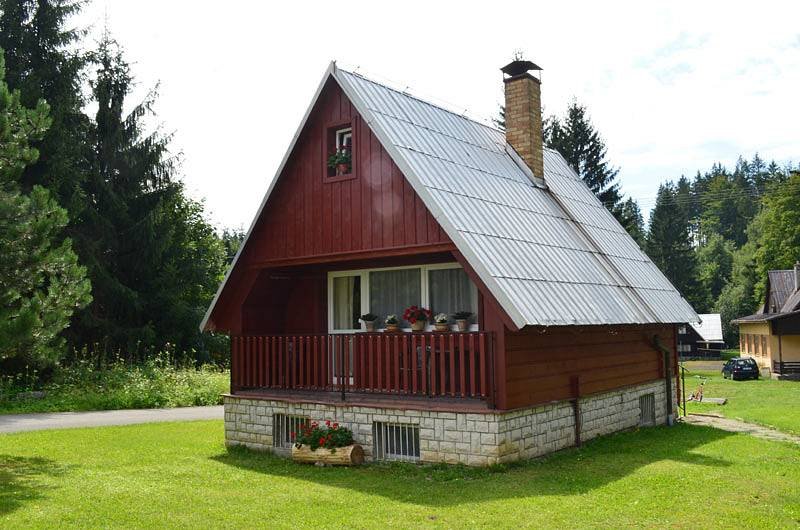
(417, 317)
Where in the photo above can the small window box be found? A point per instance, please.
(340, 154)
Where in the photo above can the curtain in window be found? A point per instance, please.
(346, 302)
(450, 291)
(391, 292)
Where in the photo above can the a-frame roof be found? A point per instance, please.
(548, 250)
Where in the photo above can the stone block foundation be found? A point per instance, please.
(456, 437)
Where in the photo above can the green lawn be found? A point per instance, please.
(765, 401)
(180, 475)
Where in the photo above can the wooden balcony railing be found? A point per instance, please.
(420, 364)
(786, 367)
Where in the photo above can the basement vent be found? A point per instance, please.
(647, 410)
(395, 441)
(283, 425)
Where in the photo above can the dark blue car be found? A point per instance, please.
(740, 368)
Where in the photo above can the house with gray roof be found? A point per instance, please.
(450, 291)
(772, 335)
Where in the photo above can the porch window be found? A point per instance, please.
(346, 307)
(452, 291)
(391, 291)
(442, 288)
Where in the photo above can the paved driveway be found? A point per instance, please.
(71, 420)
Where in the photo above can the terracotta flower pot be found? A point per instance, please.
(419, 325)
(442, 326)
(392, 327)
(462, 325)
(342, 169)
(369, 325)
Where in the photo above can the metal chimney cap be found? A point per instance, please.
(518, 67)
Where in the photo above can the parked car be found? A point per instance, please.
(740, 368)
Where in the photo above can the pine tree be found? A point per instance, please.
(154, 261)
(580, 144)
(669, 247)
(630, 216)
(41, 283)
(714, 267)
(41, 63)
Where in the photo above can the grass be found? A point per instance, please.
(153, 384)
(181, 476)
(765, 401)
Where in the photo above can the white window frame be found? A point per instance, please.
(341, 134)
(424, 293)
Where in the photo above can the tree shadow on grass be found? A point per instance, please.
(568, 472)
(21, 480)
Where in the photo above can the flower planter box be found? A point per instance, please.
(351, 455)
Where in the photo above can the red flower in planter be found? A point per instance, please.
(415, 313)
(335, 425)
(328, 423)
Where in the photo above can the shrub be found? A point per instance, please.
(156, 383)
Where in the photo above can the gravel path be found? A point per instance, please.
(727, 424)
(71, 420)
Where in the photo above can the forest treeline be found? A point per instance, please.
(103, 249)
(104, 252)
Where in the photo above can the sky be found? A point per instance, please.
(673, 87)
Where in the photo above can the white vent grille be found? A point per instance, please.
(395, 441)
(647, 410)
(283, 426)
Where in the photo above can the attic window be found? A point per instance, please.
(339, 159)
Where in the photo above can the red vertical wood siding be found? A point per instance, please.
(308, 216)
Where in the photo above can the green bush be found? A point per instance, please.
(157, 383)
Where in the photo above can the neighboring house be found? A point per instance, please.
(701, 340)
(573, 333)
(772, 335)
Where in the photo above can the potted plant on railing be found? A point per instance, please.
(331, 444)
(392, 323)
(440, 322)
(417, 317)
(369, 321)
(462, 320)
(341, 161)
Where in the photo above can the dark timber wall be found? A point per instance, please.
(542, 363)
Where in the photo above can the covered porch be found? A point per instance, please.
(426, 369)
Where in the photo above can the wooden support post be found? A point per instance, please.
(576, 407)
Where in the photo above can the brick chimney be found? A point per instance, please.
(523, 107)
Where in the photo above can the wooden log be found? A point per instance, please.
(351, 455)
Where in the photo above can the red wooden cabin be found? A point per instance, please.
(572, 333)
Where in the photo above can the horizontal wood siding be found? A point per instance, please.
(308, 216)
(542, 363)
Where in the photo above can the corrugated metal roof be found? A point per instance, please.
(709, 327)
(781, 287)
(551, 254)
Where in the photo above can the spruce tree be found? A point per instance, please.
(154, 261)
(41, 63)
(669, 247)
(580, 144)
(41, 283)
(631, 218)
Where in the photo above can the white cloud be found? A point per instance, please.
(673, 87)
